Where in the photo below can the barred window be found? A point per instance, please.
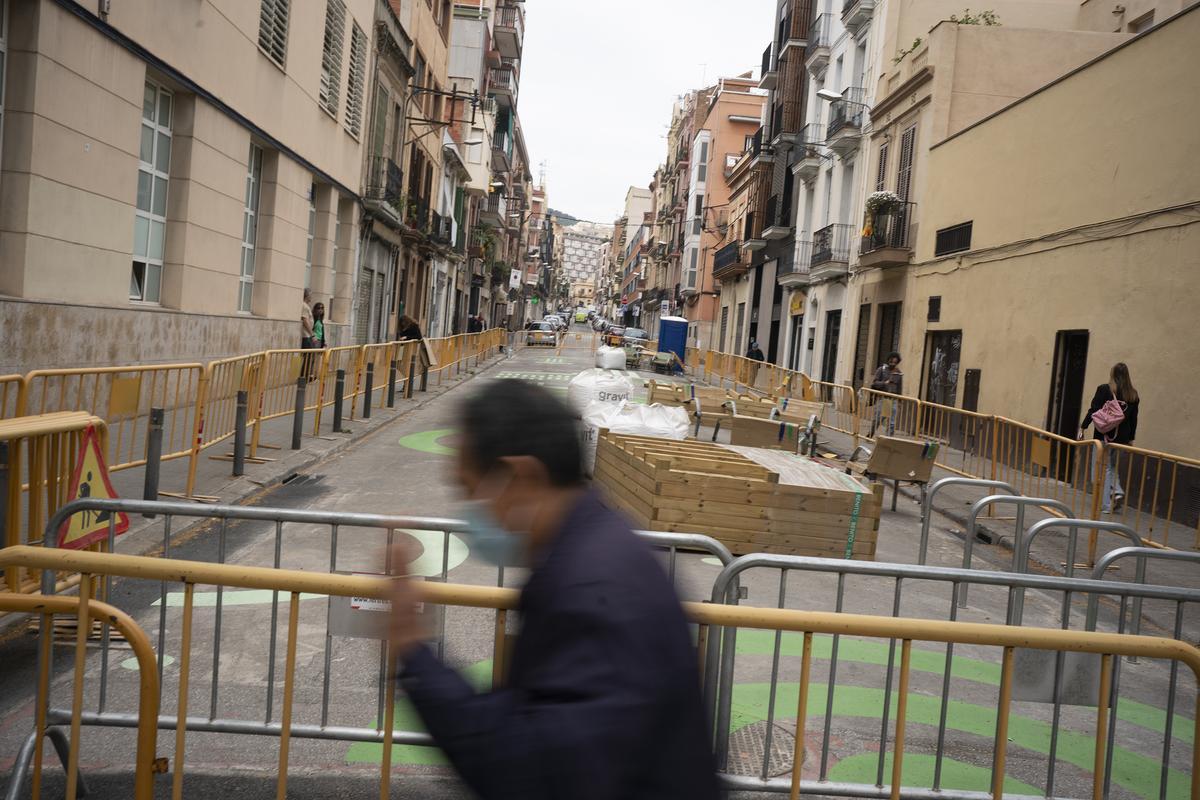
(331, 55)
(273, 28)
(358, 73)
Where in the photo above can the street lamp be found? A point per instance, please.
(831, 96)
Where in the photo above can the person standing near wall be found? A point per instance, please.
(306, 320)
(1118, 390)
(755, 354)
(889, 379)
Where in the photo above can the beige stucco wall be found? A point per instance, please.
(1105, 144)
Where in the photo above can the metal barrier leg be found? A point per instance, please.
(339, 391)
(25, 756)
(391, 394)
(412, 375)
(425, 379)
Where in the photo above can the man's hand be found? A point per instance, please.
(408, 625)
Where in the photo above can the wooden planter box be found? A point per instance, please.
(752, 500)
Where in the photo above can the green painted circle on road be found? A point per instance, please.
(429, 563)
(428, 442)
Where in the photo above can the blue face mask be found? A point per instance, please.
(490, 540)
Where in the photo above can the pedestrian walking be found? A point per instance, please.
(602, 699)
(1114, 416)
(407, 328)
(755, 354)
(889, 380)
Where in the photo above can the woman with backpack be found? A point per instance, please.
(1114, 412)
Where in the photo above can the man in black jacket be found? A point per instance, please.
(603, 696)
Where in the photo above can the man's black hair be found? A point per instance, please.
(518, 418)
(892, 355)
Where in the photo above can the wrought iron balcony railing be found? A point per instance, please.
(847, 112)
(385, 181)
(831, 244)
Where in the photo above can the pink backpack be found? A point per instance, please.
(1110, 415)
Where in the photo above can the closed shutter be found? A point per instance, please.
(273, 29)
(904, 175)
(881, 173)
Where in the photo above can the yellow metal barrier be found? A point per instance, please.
(1108, 646)
(841, 403)
(88, 611)
(48, 447)
(11, 393)
(1153, 484)
(880, 413)
(275, 393)
(1041, 464)
(348, 359)
(123, 397)
(379, 357)
(217, 404)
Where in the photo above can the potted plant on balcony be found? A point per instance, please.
(879, 203)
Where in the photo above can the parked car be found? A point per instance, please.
(633, 336)
(541, 333)
(581, 315)
(556, 321)
(614, 336)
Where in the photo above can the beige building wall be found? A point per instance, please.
(1083, 219)
(69, 186)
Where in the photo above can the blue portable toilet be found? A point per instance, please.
(672, 336)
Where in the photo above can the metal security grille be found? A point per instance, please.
(272, 29)
(954, 239)
(331, 55)
(358, 72)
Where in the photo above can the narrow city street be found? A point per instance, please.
(404, 467)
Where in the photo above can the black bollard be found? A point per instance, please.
(298, 416)
(366, 410)
(391, 401)
(412, 375)
(339, 389)
(239, 434)
(424, 379)
(153, 457)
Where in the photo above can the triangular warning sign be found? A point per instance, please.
(90, 481)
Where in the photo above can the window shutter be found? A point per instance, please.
(358, 74)
(904, 176)
(272, 29)
(331, 55)
(881, 173)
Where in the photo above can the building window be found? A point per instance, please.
(689, 279)
(954, 239)
(150, 217)
(331, 55)
(881, 172)
(702, 168)
(273, 29)
(358, 72)
(935, 310)
(904, 172)
(724, 327)
(250, 228)
(312, 234)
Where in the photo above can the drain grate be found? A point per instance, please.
(746, 747)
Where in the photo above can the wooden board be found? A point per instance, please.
(752, 499)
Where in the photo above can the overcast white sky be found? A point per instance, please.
(598, 81)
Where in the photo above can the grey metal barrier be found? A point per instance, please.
(337, 523)
(1142, 554)
(927, 506)
(1021, 502)
(720, 660)
(1073, 526)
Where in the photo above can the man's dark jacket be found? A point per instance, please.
(603, 697)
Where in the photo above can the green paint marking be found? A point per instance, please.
(132, 663)
(716, 562)
(554, 360)
(537, 377)
(754, 642)
(405, 718)
(427, 442)
(1132, 771)
(917, 770)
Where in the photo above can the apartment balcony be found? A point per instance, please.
(502, 151)
(844, 133)
(779, 226)
(502, 84)
(760, 151)
(830, 251)
(793, 267)
(508, 30)
(417, 215)
(495, 211)
(752, 238)
(729, 263)
(856, 14)
(890, 241)
(808, 161)
(441, 231)
(769, 77)
(819, 37)
(385, 183)
(789, 41)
